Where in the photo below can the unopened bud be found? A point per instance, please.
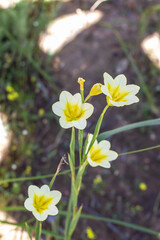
(96, 89)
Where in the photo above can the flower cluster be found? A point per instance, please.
(12, 94)
(74, 111)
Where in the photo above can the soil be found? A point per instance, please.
(94, 51)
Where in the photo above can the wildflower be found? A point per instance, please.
(138, 208)
(42, 201)
(81, 83)
(33, 79)
(14, 148)
(28, 170)
(7, 58)
(9, 88)
(142, 186)
(99, 154)
(28, 152)
(90, 233)
(41, 112)
(97, 180)
(117, 92)
(14, 166)
(24, 132)
(96, 89)
(12, 96)
(72, 112)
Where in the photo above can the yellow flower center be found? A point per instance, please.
(73, 112)
(118, 94)
(41, 203)
(96, 154)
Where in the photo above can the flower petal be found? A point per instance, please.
(56, 196)
(88, 108)
(111, 155)
(80, 124)
(32, 190)
(64, 123)
(90, 136)
(65, 96)
(130, 99)
(105, 144)
(117, 104)
(45, 189)
(40, 216)
(92, 163)
(57, 108)
(107, 78)
(29, 204)
(105, 164)
(105, 90)
(78, 99)
(53, 210)
(133, 89)
(120, 80)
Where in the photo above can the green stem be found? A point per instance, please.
(72, 146)
(98, 126)
(139, 150)
(68, 216)
(72, 167)
(80, 141)
(86, 99)
(38, 229)
(82, 95)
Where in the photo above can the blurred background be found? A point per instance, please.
(45, 45)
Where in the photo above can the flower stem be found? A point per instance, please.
(72, 167)
(72, 146)
(97, 128)
(82, 95)
(86, 99)
(38, 229)
(139, 150)
(80, 140)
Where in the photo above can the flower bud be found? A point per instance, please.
(81, 83)
(96, 89)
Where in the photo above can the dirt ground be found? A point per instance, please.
(94, 51)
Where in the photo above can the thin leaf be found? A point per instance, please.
(84, 148)
(32, 178)
(80, 140)
(88, 216)
(72, 146)
(74, 221)
(28, 231)
(118, 222)
(33, 228)
(139, 150)
(109, 133)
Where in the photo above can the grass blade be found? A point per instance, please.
(2, 181)
(91, 217)
(33, 228)
(109, 133)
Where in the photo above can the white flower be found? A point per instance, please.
(42, 201)
(99, 154)
(72, 112)
(117, 92)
